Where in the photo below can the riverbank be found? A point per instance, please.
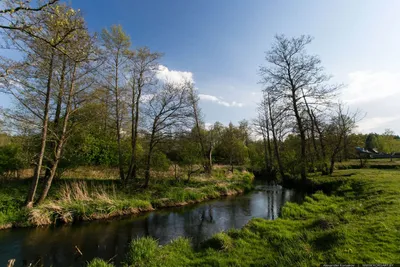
(357, 220)
(72, 200)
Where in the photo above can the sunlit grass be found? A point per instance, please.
(358, 222)
(88, 199)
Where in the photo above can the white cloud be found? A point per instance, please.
(376, 124)
(146, 98)
(174, 76)
(208, 125)
(219, 101)
(377, 94)
(366, 86)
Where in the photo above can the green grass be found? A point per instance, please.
(370, 163)
(88, 199)
(358, 222)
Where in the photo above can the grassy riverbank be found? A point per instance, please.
(357, 220)
(89, 199)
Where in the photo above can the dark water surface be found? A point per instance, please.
(55, 246)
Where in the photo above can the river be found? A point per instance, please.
(55, 245)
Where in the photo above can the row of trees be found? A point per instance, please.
(299, 101)
(94, 99)
(65, 76)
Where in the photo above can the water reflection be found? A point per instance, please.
(108, 239)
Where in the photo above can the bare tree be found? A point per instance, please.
(263, 127)
(144, 65)
(298, 79)
(342, 123)
(167, 113)
(276, 115)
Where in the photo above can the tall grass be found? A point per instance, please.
(88, 199)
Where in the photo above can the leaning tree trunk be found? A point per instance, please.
(300, 126)
(32, 192)
(58, 112)
(61, 141)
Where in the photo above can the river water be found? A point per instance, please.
(55, 246)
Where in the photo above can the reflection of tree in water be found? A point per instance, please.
(98, 239)
(198, 223)
(55, 246)
(275, 200)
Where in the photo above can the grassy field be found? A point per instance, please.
(370, 163)
(355, 220)
(89, 199)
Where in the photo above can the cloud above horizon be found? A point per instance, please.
(378, 95)
(219, 101)
(366, 86)
(174, 76)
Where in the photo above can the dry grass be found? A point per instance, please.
(92, 172)
(79, 191)
(39, 217)
(88, 199)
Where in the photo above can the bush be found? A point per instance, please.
(10, 159)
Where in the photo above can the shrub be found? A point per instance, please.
(10, 159)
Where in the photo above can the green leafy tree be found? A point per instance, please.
(232, 147)
(116, 44)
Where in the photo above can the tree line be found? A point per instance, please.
(85, 98)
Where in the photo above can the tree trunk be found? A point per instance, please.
(332, 165)
(207, 156)
(52, 173)
(321, 144)
(58, 112)
(189, 174)
(312, 131)
(269, 144)
(118, 121)
(147, 170)
(32, 192)
(135, 125)
(209, 163)
(175, 169)
(275, 141)
(61, 141)
(300, 126)
(148, 160)
(266, 154)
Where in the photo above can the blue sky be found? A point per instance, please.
(222, 43)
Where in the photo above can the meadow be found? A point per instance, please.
(355, 218)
